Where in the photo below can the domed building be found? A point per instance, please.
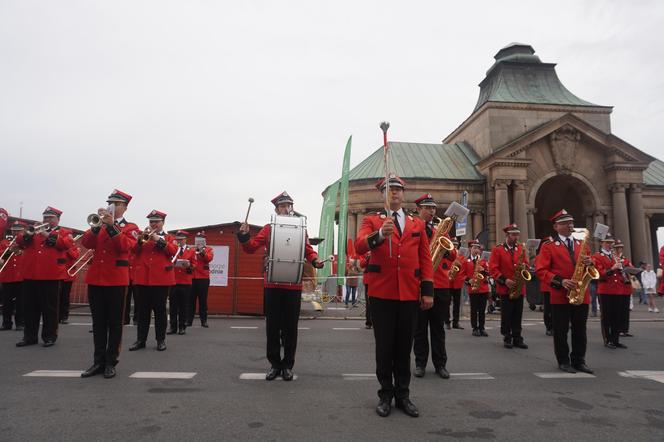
(529, 147)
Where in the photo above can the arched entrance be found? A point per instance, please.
(558, 192)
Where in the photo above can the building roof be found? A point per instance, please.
(519, 76)
(654, 174)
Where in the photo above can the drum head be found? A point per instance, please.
(287, 247)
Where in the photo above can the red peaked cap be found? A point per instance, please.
(511, 228)
(283, 197)
(561, 216)
(426, 200)
(156, 215)
(52, 211)
(395, 181)
(118, 196)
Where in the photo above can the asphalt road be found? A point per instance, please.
(494, 392)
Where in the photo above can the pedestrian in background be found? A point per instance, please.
(649, 280)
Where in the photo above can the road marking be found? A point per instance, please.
(563, 375)
(79, 323)
(244, 328)
(471, 376)
(358, 376)
(345, 328)
(336, 308)
(55, 373)
(162, 375)
(303, 328)
(657, 376)
(257, 376)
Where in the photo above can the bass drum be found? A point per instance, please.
(287, 247)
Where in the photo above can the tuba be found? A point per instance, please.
(521, 275)
(582, 275)
(440, 244)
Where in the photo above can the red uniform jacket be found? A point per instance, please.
(152, 261)
(502, 265)
(661, 265)
(44, 256)
(112, 247)
(202, 263)
(71, 256)
(469, 271)
(184, 275)
(611, 282)
(364, 262)
(262, 241)
(13, 271)
(409, 271)
(553, 264)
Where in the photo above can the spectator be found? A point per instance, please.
(649, 279)
(640, 292)
(352, 273)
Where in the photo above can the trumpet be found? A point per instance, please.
(94, 220)
(38, 228)
(146, 234)
(81, 262)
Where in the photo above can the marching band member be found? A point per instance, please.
(456, 284)
(71, 255)
(478, 290)
(503, 264)
(431, 321)
(200, 283)
(178, 299)
(282, 301)
(11, 279)
(610, 289)
(44, 270)
(626, 292)
(107, 279)
(441, 280)
(401, 283)
(555, 266)
(153, 278)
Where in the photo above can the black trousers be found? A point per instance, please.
(65, 290)
(151, 298)
(12, 304)
(453, 297)
(40, 299)
(107, 304)
(611, 317)
(199, 291)
(432, 322)
(367, 312)
(178, 305)
(624, 313)
(127, 309)
(394, 324)
(546, 296)
(477, 310)
(511, 312)
(564, 315)
(282, 313)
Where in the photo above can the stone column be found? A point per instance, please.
(352, 225)
(520, 214)
(531, 223)
(620, 226)
(478, 225)
(637, 224)
(502, 207)
(649, 258)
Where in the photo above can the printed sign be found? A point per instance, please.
(219, 266)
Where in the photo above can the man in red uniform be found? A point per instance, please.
(11, 279)
(282, 301)
(502, 265)
(401, 283)
(610, 288)
(200, 283)
(626, 292)
(456, 284)
(555, 266)
(107, 279)
(479, 293)
(65, 288)
(178, 299)
(431, 321)
(43, 270)
(153, 278)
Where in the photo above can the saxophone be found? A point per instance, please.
(521, 275)
(439, 244)
(477, 278)
(582, 275)
(456, 267)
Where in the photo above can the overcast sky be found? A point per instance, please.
(194, 106)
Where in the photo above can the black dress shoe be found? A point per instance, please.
(287, 374)
(25, 343)
(549, 332)
(476, 332)
(384, 407)
(172, 331)
(272, 374)
(367, 326)
(610, 345)
(442, 372)
(419, 372)
(566, 368)
(161, 345)
(181, 331)
(407, 407)
(94, 370)
(64, 321)
(204, 324)
(619, 345)
(507, 343)
(48, 343)
(457, 326)
(137, 345)
(483, 333)
(109, 372)
(583, 368)
(6, 327)
(520, 344)
(448, 326)
(626, 335)
(19, 328)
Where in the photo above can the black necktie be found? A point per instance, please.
(395, 215)
(429, 229)
(570, 250)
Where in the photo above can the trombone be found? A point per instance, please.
(6, 257)
(81, 262)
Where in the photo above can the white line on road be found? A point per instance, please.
(563, 375)
(162, 375)
(303, 328)
(358, 376)
(55, 373)
(80, 323)
(336, 308)
(657, 376)
(345, 328)
(257, 377)
(244, 328)
(471, 376)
